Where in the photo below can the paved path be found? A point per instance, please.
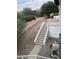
(45, 50)
(32, 23)
(35, 50)
(26, 43)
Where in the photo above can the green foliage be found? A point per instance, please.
(21, 15)
(20, 26)
(56, 2)
(48, 8)
(28, 11)
(21, 20)
(29, 18)
(38, 13)
(56, 14)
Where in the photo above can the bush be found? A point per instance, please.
(21, 20)
(20, 26)
(29, 18)
(55, 14)
(21, 16)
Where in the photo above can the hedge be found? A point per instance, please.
(29, 18)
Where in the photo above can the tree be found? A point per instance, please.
(28, 11)
(21, 15)
(48, 8)
(56, 2)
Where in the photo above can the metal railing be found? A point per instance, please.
(32, 57)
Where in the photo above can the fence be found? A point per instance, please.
(32, 57)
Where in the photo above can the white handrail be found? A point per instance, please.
(25, 55)
(44, 57)
(46, 34)
(34, 56)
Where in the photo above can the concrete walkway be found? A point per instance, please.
(35, 50)
(26, 43)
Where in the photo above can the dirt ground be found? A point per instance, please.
(26, 43)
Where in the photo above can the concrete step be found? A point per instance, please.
(42, 34)
(39, 40)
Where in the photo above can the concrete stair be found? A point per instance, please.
(42, 34)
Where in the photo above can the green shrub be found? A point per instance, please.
(32, 17)
(29, 18)
(55, 14)
(20, 26)
(21, 16)
(21, 20)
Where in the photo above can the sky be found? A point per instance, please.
(33, 4)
